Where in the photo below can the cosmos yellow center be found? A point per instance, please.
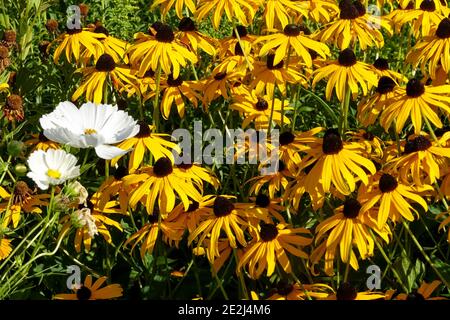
(55, 174)
(89, 131)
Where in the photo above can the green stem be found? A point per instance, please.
(156, 101)
(343, 119)
(241, 277)
(389, 262)
(242, 47)
(433, 135)
(271, 112)
(422, 251)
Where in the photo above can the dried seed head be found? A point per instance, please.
(10, 36)
(84, 9)
(51, 25)
(4, 52)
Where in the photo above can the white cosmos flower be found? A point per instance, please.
(92, 125)
(52, 167)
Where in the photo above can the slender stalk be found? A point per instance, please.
(249, 65)
(219, 283)
(241, 277)
(347, 267)
(156, 101)
(343, 119)
(427, 258)
(397, 138)
(271, 113)
(433, 135)
(285, 95)
(389, 262)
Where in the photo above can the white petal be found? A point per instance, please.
(108, 152)
(42, 184)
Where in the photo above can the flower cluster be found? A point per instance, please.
(363, 148)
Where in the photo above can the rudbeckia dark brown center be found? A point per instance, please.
(4, 52)
(292, 30)
(187, 24)
(385, 85)
(149, 73)
(286, 138)
(387, 183)
(368, 136)
(351, 208)
(428, 5)
(14, 102)
(284, 288)
(261, 105)
(162, 167)
(332, 142)
(174, 82)
(21, 192)
(101, 29)
(241, 30)
(346, 292)
(443, 30)
(410, 6)
(410, 147)
(220, 76)
(194, 205)
(185, 166)
(351, 10)
(415, 88)
(238, 50)
(74, 30)
(262, 200)
(347, 58)
(268, 232)
(153, 218)
(381, 64)
(222, 207)
(270, 59)
(144, 130)
(155, 27)
(84, 293)
(415, 296)
(120, 172)
(420, 143)
(164, 33)
(105, 63)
